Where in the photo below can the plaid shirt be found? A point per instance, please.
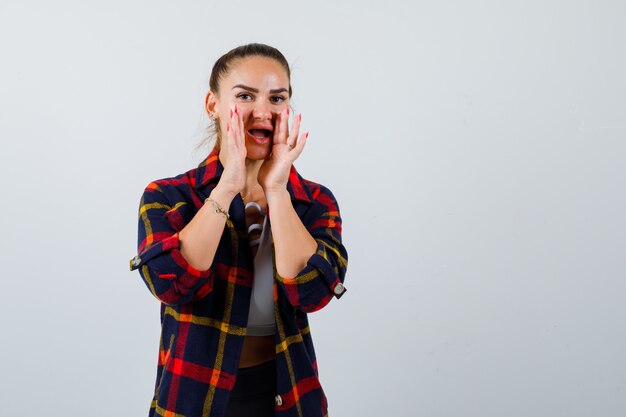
(204, 314)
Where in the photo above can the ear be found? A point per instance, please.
(210, 103)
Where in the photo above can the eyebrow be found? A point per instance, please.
(256, 90)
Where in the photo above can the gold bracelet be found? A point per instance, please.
(218, 208)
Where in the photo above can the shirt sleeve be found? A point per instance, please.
(323, 276)
(166, 273)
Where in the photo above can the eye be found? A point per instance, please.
(278, 99)
(244, 96)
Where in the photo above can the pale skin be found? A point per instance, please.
(257, 150)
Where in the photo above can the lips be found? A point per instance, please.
(260, 135)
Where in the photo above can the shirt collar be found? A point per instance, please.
(210, 170)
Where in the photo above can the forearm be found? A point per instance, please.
(201, 236)
(293, 244)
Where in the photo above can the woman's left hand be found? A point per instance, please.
(286, 148)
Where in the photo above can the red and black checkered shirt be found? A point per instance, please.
(204, 314)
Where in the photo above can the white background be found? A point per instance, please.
(477, 151)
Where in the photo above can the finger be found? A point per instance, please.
(233, 136)
(228, 123)
(299, 146)
(234, 122)
(240, 127)
(285, 125)
(295, 130)
(228, 136)
(279, 130)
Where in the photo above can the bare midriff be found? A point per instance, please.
(257, 350)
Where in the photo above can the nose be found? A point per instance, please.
(262, 111)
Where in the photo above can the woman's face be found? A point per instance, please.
(259, 87)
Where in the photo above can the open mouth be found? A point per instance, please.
(260, 135)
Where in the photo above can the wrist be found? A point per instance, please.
(223, 195)
(275, 195)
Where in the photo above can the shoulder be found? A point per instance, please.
(172, 189)
(318, 193)
(321, 213)
(190, 184)
(304, 189)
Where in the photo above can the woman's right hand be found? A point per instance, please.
(233, 154)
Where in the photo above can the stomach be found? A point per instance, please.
(257, 350)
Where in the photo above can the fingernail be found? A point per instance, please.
(236, 111)
(300, 116)
(231, 112)
(307, 135)
(288, 112)
(228, 128)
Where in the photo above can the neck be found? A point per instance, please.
(252, 173)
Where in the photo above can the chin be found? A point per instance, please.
(258, 153)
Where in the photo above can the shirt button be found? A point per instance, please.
(279, 400)
(136, 261)
(339, 289)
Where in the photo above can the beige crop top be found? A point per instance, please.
(261, 321)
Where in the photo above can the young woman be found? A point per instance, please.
(238, 251)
